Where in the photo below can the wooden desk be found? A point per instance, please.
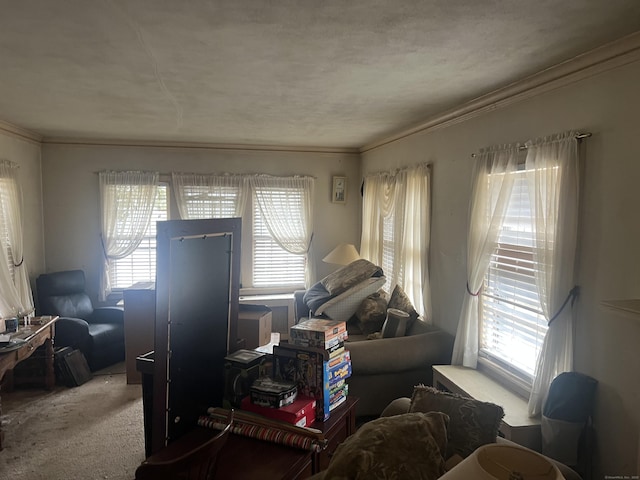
(247, 458)
(34, 336)
(139, 325)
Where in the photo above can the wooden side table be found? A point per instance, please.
(34, 336)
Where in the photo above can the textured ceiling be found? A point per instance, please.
(268, 72)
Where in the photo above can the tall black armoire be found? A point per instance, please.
(197, 289)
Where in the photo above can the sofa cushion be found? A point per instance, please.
(346, 277)
(342, 307)
(372, 313)
(472, 423)
(404, 446)
(399, 300)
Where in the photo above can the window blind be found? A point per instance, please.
(512, 324)
(202, 202)
(272, 265)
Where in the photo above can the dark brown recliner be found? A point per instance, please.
(97, 332)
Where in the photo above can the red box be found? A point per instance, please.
(301, 413)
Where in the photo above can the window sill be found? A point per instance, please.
(627, 305)
(246, 291)
(504, 377)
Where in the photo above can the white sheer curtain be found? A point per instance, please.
(210, 196)
(490, 195)
(286, 204)
(400, 201)
(127, 200)
(16, 298)
(552, 175)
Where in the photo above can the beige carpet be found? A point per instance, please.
(93, 431)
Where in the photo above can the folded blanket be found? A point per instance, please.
(340, 281)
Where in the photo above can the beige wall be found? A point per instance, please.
(27, 155)
(70, 191)
(606, 345)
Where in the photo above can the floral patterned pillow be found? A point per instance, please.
(403, 446)
(372, 313)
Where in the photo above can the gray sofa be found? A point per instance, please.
(388, 368)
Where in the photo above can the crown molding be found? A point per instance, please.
(194, 145)
(19, 132)
(607, 57)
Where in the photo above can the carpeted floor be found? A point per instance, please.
(93, 431)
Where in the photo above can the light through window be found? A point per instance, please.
(512, 324)
(140, 266)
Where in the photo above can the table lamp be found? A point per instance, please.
(343, 254)
(504, 462)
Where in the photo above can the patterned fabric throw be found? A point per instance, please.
(472, 423)
(265, 429)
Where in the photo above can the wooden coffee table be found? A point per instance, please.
(33, 336)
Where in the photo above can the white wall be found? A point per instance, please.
(70, 190)
(606, 345)
(27, 155)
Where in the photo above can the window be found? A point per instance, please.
(272, 265)
(396, 230)
(140, 266)
(389, 262)
(512, 324)
(5, 201)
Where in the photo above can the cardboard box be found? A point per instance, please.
(300, 413)
(254, 325)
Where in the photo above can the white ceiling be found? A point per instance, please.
(326, 73)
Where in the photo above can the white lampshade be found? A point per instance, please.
(504, 462)
(343, 254)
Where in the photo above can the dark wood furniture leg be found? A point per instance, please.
(50, 375)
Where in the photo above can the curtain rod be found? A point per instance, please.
(579, 136)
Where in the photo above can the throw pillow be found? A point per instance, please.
(402, 446)
(400, 300)
(472, 423)
(372, 313)
(346, 277)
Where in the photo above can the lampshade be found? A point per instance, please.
(504, 462)
(343, 254)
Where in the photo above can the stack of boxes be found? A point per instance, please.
(316, 360)
(307, 375)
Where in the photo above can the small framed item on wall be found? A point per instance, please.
(339, 190)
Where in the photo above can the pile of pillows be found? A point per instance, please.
(440, 427)
(372, 312)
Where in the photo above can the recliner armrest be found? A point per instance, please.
(71, 332)
(107, 315)
(389, 355)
